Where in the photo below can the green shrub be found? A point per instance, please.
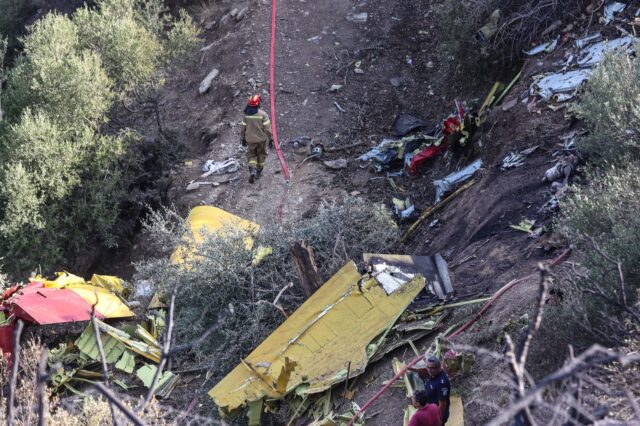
(130, 52)
(219, 287)
(602, 221)
(59, 78)
(611, 110)
(63, 183)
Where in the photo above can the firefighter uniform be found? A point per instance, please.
(256, 132)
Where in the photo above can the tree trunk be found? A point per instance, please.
(306, 266)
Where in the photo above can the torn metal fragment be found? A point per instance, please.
(319, 338)
(447, 183)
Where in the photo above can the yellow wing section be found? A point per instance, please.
(205, 220)
(314, 346)
(107, 303)
(101, 292)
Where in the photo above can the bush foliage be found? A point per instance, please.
(62, 177)
(610, 108)
(602, 220)
(218, 286)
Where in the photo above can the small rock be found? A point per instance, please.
(225, 19)
(357, 18)
(397, 81)
(336, 164)
(234, 12)
(354, 193)
(206, 83)
(335, 87)
(240, 16)
(209, 25)
(430, 64)
(358, 71)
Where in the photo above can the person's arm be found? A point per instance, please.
(442, 405)
(243, 131)
(443, 395)
(266, 125)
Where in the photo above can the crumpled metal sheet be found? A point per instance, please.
(544, 47)
(561, 82)
(612, 8)
(203, 220)
(594, 54)
(449, 182)
(332, 328)
(42, 305)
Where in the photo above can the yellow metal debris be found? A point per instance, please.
(203, 220)
(105, 300)
(313, 346)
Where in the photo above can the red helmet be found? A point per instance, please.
(254, 101)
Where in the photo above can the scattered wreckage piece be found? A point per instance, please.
(219, 167)
(428, 212)
(484, 34)
(404, 209)
(167, 382)
(205, 220)
(336, 164)
(516, 159)
(610, 9)
(525, 225)
(414, 150)
(562, 86)
(214, 167)
(544, 47)
(562, 169)
(566, 83)
(67, 299)
(585, 41)
(433, 268)
(449, 182)
(309, 351)
(593, 54)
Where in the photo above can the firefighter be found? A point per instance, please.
(255, 133)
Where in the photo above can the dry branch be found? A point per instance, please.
(15, 365)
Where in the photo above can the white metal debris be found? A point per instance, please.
(544, 47)
(611, 8)
(561, 82)
(594, 54)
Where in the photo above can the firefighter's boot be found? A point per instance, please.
(258, 172)
(252, 174)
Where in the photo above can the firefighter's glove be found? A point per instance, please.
(270, 143)
(244, 142)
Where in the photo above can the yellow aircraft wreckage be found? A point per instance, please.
(334, 333)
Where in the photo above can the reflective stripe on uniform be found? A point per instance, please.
(254, 117)
(253, 162)
(266, 123)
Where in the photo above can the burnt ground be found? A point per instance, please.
(318, 47)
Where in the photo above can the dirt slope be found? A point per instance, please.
(318, 47)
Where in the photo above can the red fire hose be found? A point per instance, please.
(272, 86)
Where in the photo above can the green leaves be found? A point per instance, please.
(61, 179)
(611, 109)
